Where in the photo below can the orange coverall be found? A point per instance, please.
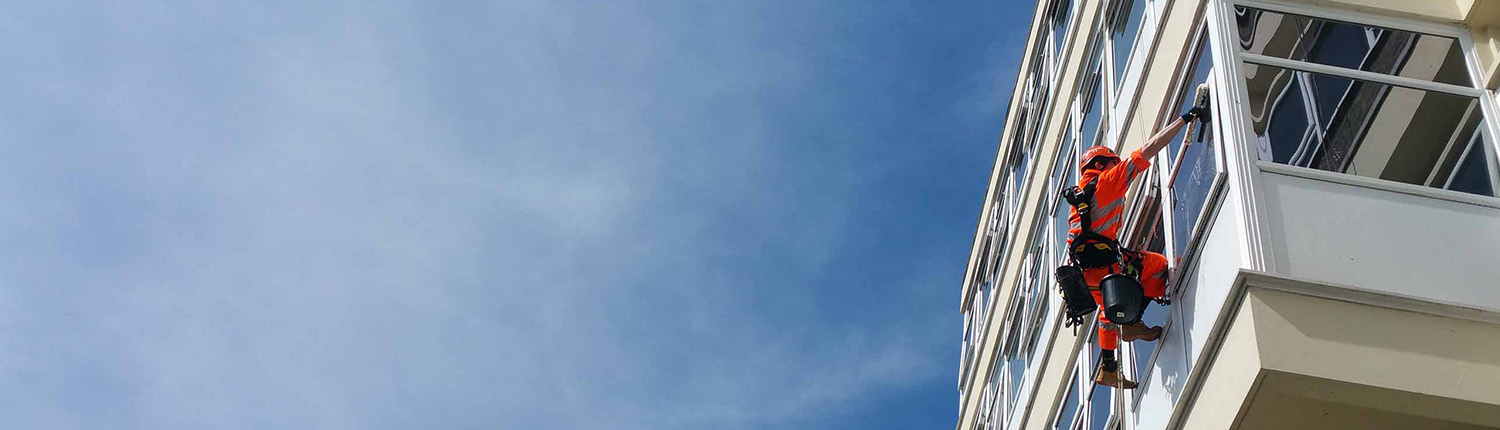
(1109, 208)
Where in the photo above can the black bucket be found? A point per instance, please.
(1123, 296)
(1080, 303)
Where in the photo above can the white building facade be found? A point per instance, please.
(1334, 234)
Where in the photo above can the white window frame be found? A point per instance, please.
(1179, 271)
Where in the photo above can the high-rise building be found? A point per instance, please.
(1334, 235)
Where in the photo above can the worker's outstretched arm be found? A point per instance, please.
(1163, 137)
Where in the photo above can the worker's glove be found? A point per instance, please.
(1191, 114)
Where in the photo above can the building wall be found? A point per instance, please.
(1086, 17)
(1264, 221)
(1161, 47)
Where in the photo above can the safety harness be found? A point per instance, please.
(1087, 250)
(1091, 250)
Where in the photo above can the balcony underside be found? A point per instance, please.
(1290, 360)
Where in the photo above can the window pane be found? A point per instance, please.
(1376, 130)
(1069, 406)
(1017, 374)
(1062, 12)
(1063, 165)
(1018, 168)
(1473, 174)
(1041, 79)
(1123, 27)
(1155, 315)
(1189, 191)
(1353, 46)
(1099, 406)
(1089, 130)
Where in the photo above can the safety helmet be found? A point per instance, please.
(1096, 153)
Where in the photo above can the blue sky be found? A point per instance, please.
(524, 214)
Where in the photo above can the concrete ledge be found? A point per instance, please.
(1282, 355)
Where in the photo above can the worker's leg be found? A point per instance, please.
(1154, 273)
(1153, 277)
(1109, 366)
(1109, 339)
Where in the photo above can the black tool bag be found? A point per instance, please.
(1077, 300)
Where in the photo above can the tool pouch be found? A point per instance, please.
(1078, 301)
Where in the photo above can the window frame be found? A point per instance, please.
(1183, 260)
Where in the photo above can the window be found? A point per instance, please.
(1061, 16)
(1124, 24)
(1195, 179)
(1068, 414)
(1091, 105)
(1099, 407)
(1416, 120)
(1149, 237)
(1085, 405)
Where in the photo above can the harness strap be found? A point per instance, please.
(1082, 201)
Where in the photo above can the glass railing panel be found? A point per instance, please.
(1373, 129)
(1352, 46)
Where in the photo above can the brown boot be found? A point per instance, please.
(1113, 379)
(1138, 331)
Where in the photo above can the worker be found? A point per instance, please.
(1107, 177)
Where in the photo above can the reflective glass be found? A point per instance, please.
(1195, 178)
(1353, 46)
(1040, 317)
(1375, 130)
(1042, 80)
(1018, 167)
(1124, 25)
(1039, 297)
(1062, 13)
(1099, 406)
(1069, 409)
(1017, 373)
(1473, 172)
(1089, 129)
(1155, 315)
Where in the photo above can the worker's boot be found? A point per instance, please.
(1114, 379)
(1138, 331)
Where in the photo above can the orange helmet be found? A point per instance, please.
(1094, 154)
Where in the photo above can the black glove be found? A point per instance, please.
(1190, 115)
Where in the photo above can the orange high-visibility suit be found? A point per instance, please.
(1109, 209)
